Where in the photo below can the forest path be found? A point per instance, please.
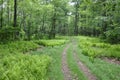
(82, 67)
(65, 68)
(66, 71)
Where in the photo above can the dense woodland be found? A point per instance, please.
(37, 19)
(59, 39)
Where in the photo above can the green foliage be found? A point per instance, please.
(113, 36)
(16, 65)
(100, 67)
(93, 47)
(19, 46)
(8, 34)
(50, 42)
(25, 67)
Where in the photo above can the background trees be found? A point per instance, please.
(37, 19)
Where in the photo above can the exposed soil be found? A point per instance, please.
(111, 60)
(83, 67)
(66, 71)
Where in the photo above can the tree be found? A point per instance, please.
(1, 8)
(15, 13)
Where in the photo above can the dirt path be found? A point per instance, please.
(83, 67)
(65, 69)
(111, 60)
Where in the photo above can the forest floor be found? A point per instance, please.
(70, 64)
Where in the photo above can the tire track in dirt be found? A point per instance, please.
(65, 69)
(83, 67)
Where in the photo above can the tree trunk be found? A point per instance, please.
(15, 13)
(53, 32)
(76, 18)
(1, 20)
(8, 12)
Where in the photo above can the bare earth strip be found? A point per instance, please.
(65, 69)
(83, 67)
(111, 60)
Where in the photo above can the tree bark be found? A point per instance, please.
(53, 32)
(1, 20)
(76, 18)
(8, 12)
(15, 13)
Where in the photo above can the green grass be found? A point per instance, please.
(55, 53)
(96, 48)
(72, 63)
(102, 69)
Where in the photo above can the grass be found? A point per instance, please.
(55, 53)
(102, 69)
(45, 64)
(77, 73)
(96, 48)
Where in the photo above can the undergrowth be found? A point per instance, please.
(50, 42)
(14, 65)
(93, 47)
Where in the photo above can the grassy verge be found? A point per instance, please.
(73, 65)
(102, 69)
(55, 53)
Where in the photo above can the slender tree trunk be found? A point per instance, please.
(15, 13)
(53, 32)
(1, 20)
(43, 23)
(76, 18)
(8, 11)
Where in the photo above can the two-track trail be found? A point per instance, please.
(66, 71)
(65, 68)
(82, 66)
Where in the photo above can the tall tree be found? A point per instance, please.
(15, 13)
(76, 16)
(1, 20)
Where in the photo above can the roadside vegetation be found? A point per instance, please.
(34, 38)
(94, 47)
(101, 69)
(17, 63)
